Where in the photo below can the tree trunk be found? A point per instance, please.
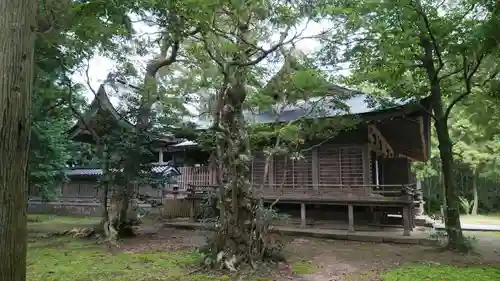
(234, 238)
(475, 205)
(452, 214)
(456, 238)
(132, 167)
(104, 157)
(17, 44)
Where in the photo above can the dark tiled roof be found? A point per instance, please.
(165, 169)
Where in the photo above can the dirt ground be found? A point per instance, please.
(332, 260)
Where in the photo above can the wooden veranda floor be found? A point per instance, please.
(388, 235)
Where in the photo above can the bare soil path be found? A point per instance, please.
(332, 260)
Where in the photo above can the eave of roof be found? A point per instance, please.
(357, 105)
(166, 168)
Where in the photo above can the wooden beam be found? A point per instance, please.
(406, 220)
(422, 137)
(378, 142)
(315, 170)
(271, 172)
(160, 156)
(192, 210)
(366, 165)
(303, 215)
(350, 214)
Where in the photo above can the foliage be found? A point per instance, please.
(231, 79)
(475, 150)
(64, 43)
(441, 272)
(412, 49)
(465, 204)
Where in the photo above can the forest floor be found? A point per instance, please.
(169, 254)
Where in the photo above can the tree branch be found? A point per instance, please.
(265, 53)
(490, 77)
(468, 74)
(153, 67)
(454, 72)
(87, 79)
(418, 8)
(212, 56)
(80, 117)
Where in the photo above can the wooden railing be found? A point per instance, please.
(332, 191)
(323, 191)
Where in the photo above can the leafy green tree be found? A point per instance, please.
(65, 42)
(417, 48)
(235, 39)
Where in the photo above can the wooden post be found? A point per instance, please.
(366, 169)
(314, 168)
(419, 194)
(160, 156)
(271, 173)
(302, 215)
(406, 220)
(191, 210)
(350, 214)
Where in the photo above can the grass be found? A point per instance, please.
(303, 267)
(441, 272)
(61, 259)
(52, 223)
(70, 259)
(65, 258)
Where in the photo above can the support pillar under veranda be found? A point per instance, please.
(302, 215)
(350, 214)
(407, 222)
(192, 210)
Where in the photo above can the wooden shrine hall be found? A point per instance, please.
(365, 169)
(361, 176)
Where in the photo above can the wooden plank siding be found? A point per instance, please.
(328, 172)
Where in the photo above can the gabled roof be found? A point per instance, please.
(336, 100)
(353, 103)
(101, 105)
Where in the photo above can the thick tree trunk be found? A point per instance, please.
(17, 44)
(234, 237)
(452, 214)
(475, 205)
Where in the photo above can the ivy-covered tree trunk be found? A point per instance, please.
(17, 44)
(241, 235)
(234, 241)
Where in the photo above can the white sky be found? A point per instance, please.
(100, 66)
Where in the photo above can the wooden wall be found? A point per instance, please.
(328, 164)
(396, 171)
